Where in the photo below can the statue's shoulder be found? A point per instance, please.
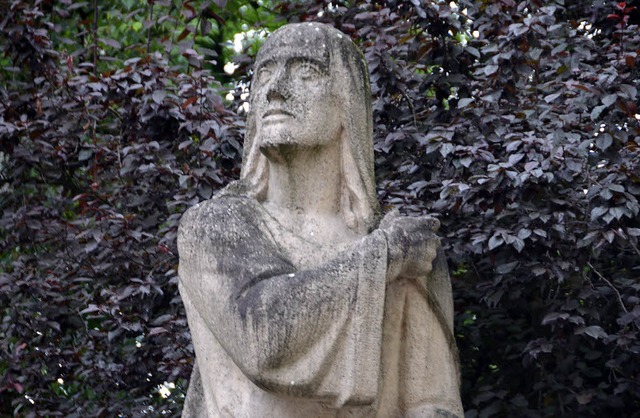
(230, 204)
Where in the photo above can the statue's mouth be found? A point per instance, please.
(276, 114)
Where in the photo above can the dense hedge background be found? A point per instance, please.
(515, 122)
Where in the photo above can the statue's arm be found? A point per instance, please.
(259, 307)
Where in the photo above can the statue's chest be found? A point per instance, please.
(305, 251)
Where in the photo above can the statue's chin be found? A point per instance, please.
(283, 146)
(278, 149)
(276, 141)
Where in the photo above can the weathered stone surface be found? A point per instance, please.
(301, 301)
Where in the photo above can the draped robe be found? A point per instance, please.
(286, 327)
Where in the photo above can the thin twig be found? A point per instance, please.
(624, 308)
(413, 110)
(150, 24)
(634, 247)
(476, 269)
(95, 36)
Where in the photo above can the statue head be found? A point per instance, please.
(310, 86)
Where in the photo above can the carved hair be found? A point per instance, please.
(359, 203)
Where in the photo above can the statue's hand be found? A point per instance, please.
(412, 244)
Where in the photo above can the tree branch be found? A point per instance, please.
(624, 308)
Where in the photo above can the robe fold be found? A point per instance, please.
(285, 327)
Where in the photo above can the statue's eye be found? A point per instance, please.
(265, 72)
(306, 70)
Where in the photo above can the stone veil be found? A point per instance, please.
(301, 299)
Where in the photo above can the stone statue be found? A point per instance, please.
(301, 300)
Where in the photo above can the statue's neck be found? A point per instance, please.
(306, 182)
(305, 193)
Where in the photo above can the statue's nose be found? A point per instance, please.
(280, 86)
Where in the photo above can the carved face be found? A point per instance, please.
(293, 98)
(317, 79)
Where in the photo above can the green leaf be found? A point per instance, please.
(473, 51)
(495, 241)
(597, 212)
(595, 113)
(550, 98)
(604, 141)
(507, 268)
(554, 317)
(609, 99)
(491, 69)
(85, 154)
(593, 331)
(158, 96)
(462, 103)
(518, 244)
(634, 232)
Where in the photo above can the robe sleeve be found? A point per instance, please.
(314, 332)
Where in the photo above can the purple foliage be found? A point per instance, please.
(514, 122)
